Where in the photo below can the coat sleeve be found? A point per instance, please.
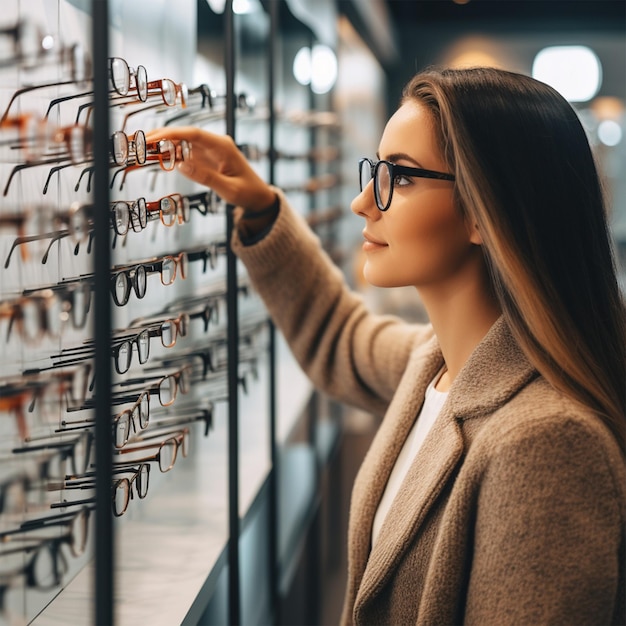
(549, 528)
(347, 352)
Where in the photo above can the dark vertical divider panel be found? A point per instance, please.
(104, 550)
(233, 347)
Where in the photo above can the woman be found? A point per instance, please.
(495, 489)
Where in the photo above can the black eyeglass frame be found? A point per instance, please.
(395, 170)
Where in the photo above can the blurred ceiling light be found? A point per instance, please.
(609, 132)
(607, 108)
(474, 58)
(241, 7)
(217, 6)
(302, 66)
(574, 71)
(460, 1)
(324, 69)
(317, 67)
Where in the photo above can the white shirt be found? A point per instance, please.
(433, 402)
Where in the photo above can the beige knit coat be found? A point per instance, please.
(514, 510)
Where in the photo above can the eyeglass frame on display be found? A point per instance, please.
(178, 439)
(77, 543)
(80, 222)
(119, 485)
(81, 67)
(19, 397)
(63, 449)
(141, 339)
(154, 156)
(130, 273)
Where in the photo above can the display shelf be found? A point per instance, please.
(294, 391)
(171, 544)
(176, 551)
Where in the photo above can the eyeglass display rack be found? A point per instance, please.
(151, 429)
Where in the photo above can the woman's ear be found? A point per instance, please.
(474, 234)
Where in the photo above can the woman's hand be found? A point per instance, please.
(217, 163)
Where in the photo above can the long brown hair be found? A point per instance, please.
(526, 175)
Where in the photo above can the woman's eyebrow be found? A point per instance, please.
(398, 156)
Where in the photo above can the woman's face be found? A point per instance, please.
(421, 240)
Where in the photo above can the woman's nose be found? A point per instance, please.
(364, 204)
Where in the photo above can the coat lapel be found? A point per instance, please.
(372, 477)
(429, 473)
(496, 370)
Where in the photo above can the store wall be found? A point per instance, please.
(176, 544)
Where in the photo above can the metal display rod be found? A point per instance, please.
(103, 578)
(234, 596)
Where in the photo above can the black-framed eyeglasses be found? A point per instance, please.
(131, 420)
(47, 565)
(126, 423)
(385, 175)
(129, 214)
(135, 276)
(125, 148)
(121, 488)
(74, 455)
(125, 79)
(52, 385)
(168, 330)
(206, 202)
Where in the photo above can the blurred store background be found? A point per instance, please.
(577, 46)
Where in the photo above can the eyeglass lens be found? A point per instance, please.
(121, 78)
(167, 154)
(124, 351)
(168, 90)
(37, 314)
(168, 211)
(174, 206)
(81, 453)
(123, 281)
(122, 491)
(381, 173)
(13, 496)
(167, 390)
(122, 147)
(127, 214)
(168, 268)
(138, 418)
(170, 329)
(168, 451)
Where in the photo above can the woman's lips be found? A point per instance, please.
(371, 243)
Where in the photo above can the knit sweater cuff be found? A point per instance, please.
(282, 245)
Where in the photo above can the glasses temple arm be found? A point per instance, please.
(62, 99)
